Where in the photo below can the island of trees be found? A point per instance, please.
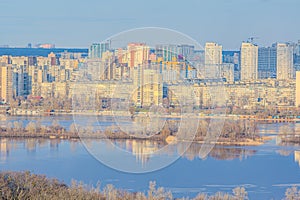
(234, 132)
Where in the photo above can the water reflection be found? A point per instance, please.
(4, 149)
(297, 157)
(142, 150)
(31, 145)
(271, 167)
(284, 152)
(220, 152)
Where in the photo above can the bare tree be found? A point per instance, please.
(31, 128)
(18, 126)
(240, 193)
(110, 192)
(292, 194)
(285, 131)
(73, 128)
(9, 127)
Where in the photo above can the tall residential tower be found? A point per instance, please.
(97, 49)
(267, 62)
(213, 60)
(249, 61)
(284, 61)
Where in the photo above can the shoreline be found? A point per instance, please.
(233, 134)
(169, 116)
(220, 141)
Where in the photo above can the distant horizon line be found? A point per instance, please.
(87, 47)
(83, 48)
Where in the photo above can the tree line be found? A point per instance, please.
(232, 130)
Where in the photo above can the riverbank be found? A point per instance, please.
(169, 116)
(234, 132)
(220, 141)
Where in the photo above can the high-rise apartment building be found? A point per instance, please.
(213, 54)
(267, 62)
(137, 54)
(213, 60)
(186, 50)
(168, 52)
(148, 87)
(108, 65)
(227, 71)
(249, 61)
(21, 80)
(297, 102)
(297, 53)
(173, 52)
(97, 49)
(284, 61)
(297, 57)
(6, 82)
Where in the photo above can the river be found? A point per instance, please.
(265, 171)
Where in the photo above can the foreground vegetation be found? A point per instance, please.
(24, 185)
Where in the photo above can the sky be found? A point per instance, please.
(78, 23)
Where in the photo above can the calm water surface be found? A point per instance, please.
(265, 171)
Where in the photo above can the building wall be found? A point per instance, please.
(97, 49)
(249, 61)
(267, 62)
(148, 87)
(168, 52)
(213, 60)
(137, 54)
(6, 82)
(284, 61)
(251, 94)
(297, 89)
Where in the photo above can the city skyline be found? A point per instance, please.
(229, 24)
(111, 99)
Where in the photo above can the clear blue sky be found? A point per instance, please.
(78, 23)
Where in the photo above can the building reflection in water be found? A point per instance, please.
(219, 152)
(54, 144)
(141, 149)
(4, 149)
(223, 153)
(297, 157)
(31, 144)
(73, 145)
(42, 142)
(284, 152)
